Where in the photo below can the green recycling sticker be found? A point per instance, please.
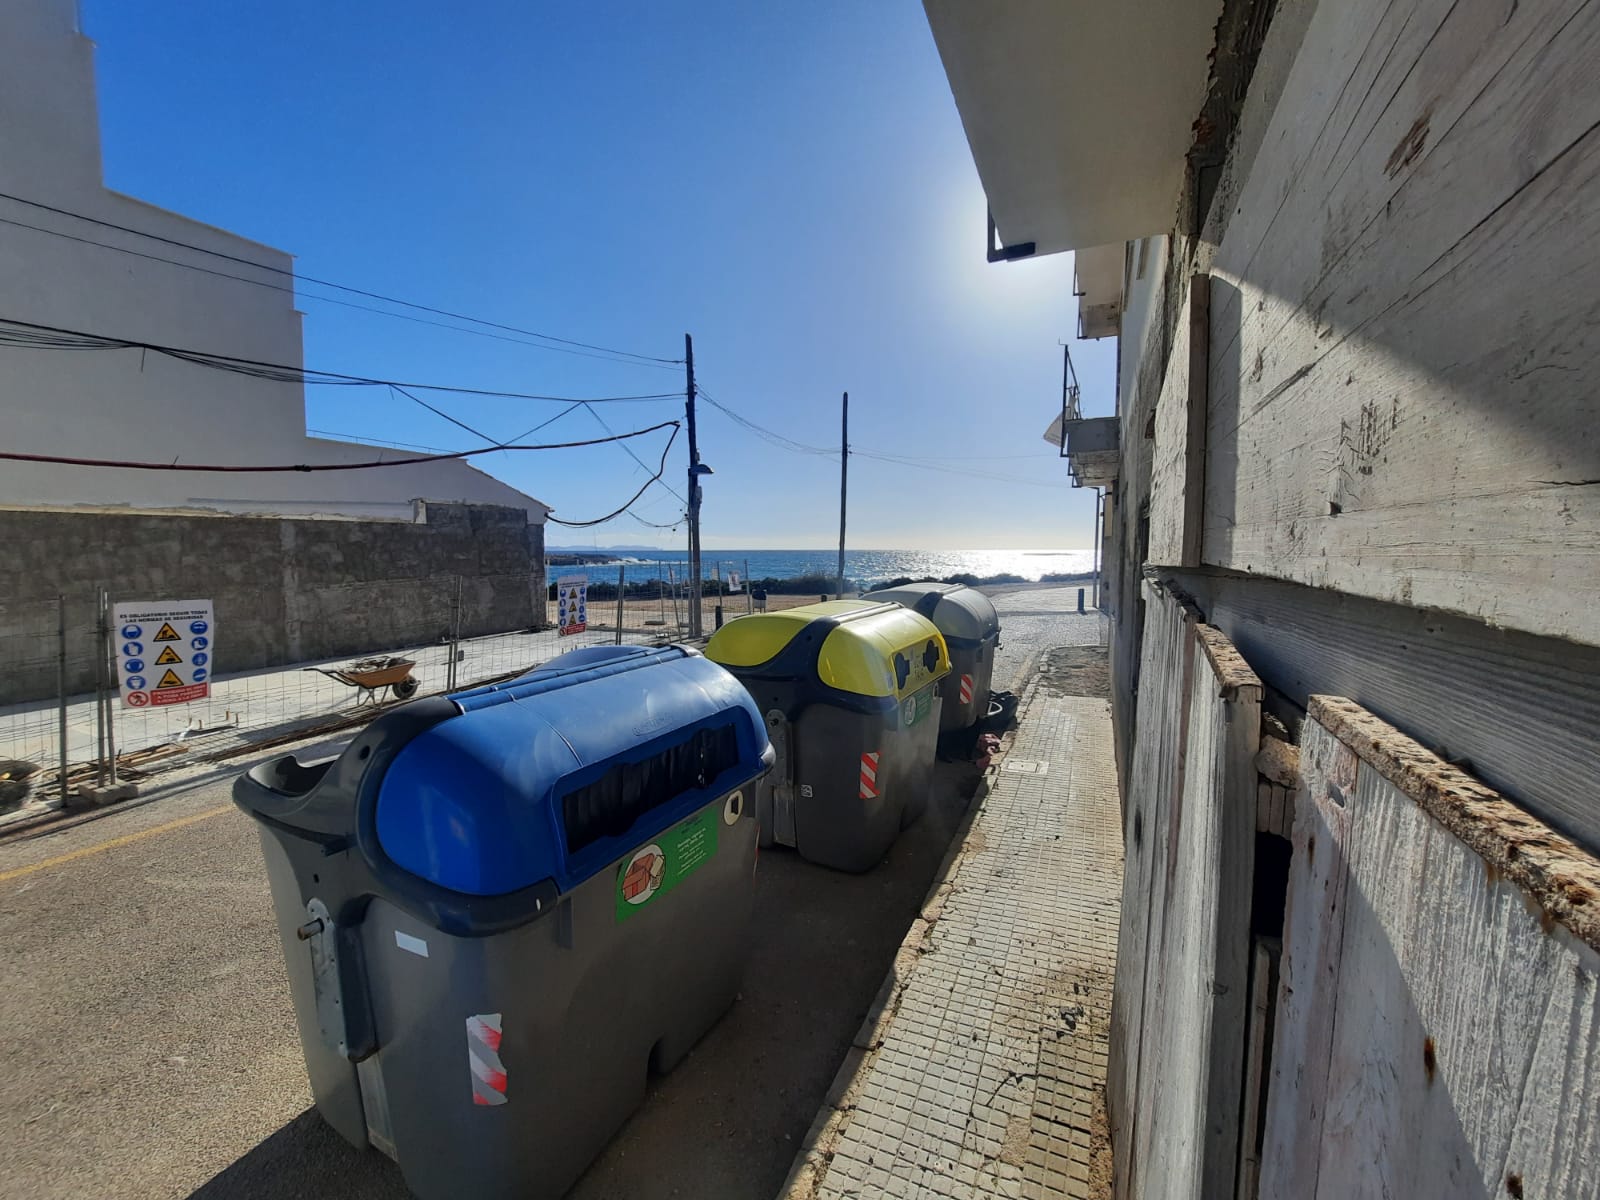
(665, 862)
(915, 708)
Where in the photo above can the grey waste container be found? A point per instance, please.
(502, 908)
(849, 689)
(971, 629)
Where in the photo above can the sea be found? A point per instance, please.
(864, 568)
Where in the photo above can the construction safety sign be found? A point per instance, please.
(572, 603)
(164, 650)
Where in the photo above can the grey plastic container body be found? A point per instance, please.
(587, 1006)
(971, 629)
(492, 1042)
(817, 800)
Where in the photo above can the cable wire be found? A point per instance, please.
(629, 450)
(49, 337)
(761, 431)
(439, 412)
(70, 461)
(611, 516)
(797, 447)
(651, 359)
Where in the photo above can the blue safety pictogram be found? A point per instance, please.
(198, 627)
(136, 682)
(198, 674)
(132, 649)
(199, 643)
(133, 664)
(131, 631)
(200, 659)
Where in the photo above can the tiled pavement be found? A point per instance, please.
(980, 1070)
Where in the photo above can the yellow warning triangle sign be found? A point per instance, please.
(169, 680)
(167, 634)
(168, 655)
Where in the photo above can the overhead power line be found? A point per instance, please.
(555, 343)
(632, 500)
(761, 431)
(629, 450)
(49, 337)
(790, 444)
(439, 412)
(129, 465)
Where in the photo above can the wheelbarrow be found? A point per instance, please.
(371, 675)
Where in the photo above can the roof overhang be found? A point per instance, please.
(1079, 115)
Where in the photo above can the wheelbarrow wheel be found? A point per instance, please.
(405, 689)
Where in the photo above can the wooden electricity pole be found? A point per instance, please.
(844, 472)
(695, 625)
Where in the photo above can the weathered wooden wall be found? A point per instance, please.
(1402, 359)
(1438, 1032)
(1183, 969)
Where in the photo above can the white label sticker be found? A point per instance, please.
(414, 944)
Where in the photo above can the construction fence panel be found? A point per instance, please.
(242, 708)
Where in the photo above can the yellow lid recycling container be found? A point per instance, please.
(849, 692)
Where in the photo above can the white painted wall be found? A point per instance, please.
(124, 404)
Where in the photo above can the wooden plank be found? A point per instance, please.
(1147, 795)
(1192, 994)
(1464, 1038)
(1255, 1064)
(1168, 749)
(1196, 410)
(1229, 868)
(1313, 941)
(1523, 709)
(1402, 374)
(1169, 471)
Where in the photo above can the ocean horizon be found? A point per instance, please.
(863, 567)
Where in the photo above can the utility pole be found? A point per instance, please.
(695, 625)
(844, 473)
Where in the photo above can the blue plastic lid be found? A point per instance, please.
(476, 803)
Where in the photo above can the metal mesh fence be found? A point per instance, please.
(242, 707)
(44, 643)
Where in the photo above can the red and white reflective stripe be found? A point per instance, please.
(869, 775)
(483, 1057)
(966, 689)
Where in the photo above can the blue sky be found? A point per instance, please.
(788, 182)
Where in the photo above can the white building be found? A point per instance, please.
(81, 274)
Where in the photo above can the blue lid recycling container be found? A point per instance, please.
(501, 909)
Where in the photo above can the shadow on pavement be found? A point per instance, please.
(305, 1158)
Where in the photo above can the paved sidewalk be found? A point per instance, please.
(981, 1069)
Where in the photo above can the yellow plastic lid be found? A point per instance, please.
(869, 649)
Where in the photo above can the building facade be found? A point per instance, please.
(1351, 536)
(110, 265)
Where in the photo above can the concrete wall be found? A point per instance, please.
(286, 590)
(135, 405)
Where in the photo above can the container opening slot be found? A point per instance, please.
(610, 805)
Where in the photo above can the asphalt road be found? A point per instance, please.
(150, 1049)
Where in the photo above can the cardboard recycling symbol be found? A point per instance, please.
(167, 634)
(169, 680)
(168, 655)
